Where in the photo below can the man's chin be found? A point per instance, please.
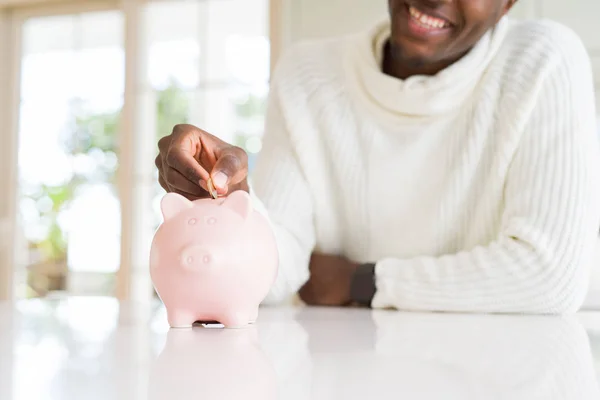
(410, 59)
(407, 51)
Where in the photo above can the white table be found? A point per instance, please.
(93, 348)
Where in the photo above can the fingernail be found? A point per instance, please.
(220, 180)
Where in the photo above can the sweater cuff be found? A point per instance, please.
(362, 287)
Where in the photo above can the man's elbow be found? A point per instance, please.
(564, 291)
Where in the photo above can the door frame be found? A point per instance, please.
(10, 45)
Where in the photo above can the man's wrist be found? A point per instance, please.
(362, 286)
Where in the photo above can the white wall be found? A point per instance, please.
(320, 18)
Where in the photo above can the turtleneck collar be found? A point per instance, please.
(417, 96)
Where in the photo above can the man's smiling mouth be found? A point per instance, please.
(427, 21)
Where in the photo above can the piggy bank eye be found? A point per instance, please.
(190, 260)
(211, 220)
(206, 259)
(192, 221)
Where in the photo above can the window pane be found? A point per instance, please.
(71, 96)
(174, 49)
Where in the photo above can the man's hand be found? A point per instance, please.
(189, 156)
(330, 281)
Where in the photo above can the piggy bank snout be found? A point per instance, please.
(196, 257)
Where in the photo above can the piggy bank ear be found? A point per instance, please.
(172, 204)
(239, 201)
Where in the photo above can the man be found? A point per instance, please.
(444, 160)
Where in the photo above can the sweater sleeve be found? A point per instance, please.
(539, 262)
(280, 191)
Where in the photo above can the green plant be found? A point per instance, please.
(172, 108)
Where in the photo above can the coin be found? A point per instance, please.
(211, 189)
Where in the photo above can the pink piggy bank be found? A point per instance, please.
(212, 260)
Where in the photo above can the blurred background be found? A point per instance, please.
(88, 87)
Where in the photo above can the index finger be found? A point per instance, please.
(187, 166)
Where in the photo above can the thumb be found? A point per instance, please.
(231, 168)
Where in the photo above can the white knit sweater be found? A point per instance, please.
(475, 190)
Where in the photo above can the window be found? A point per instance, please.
(204, 62)
(71, 93)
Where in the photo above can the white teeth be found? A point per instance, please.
(426, 20)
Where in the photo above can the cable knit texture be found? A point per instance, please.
(475, 190)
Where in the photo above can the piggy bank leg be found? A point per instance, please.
(180, 319)
(234, 320)
(254, 316)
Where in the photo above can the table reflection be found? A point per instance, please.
(355, 354)
(447, 356)
(212, 363)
